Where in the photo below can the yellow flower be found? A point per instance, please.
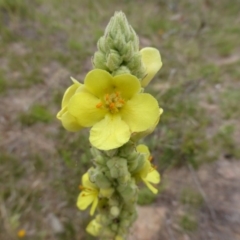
(89, 195)
(94, 228)
(113, 106)
(21, 233)
(147, 174)
(152, 62)
(69, 121)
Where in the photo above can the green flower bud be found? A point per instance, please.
(102, 181)
(104, 220)
(127, 150)
(95, 152)
(113, 60)
(103, 208)
(117, 167)
(107, 233)
(140, 162)
(91, 173)
(132, 156)
(119, 49)
(101, 45)
(114, 227)
(121, 70)
(99, 160)
(106, 192)
(124, 214)
(111, 153)
(113, 201)
(124, 179)
(132, 166)
(129, 192)
(114, 211)
(125, 223)
(99, 177)
(127, 51)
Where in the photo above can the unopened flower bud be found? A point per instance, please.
(114, 227)
(106, 192)
(113, 60)
(114, 211)
(140, 163)
(102, 181)
(117, 167)
(128, 192)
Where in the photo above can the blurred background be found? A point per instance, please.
(195, 146)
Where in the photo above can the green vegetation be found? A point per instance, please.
(146, 197)
(225, 139)
(36, 113)
(3, 85)
(191, 198)
(188, 223)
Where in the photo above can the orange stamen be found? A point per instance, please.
(154, 166)
(112, 105)
(21, 233)
(99, 105)
(150, 158)
(81, 187)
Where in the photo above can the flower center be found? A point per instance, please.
(113, 102)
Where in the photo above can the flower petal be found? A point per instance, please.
(144, 171)
(127, 84)
(70, 123)
(83, 106)
(94, 206)
(153, 176)
(84, 200)
(150, 186)
(143, 149)
(152, 61)
(136, 136)
(141, 112)
(112, 132)
(99, 82)
(70, 92)
(87, 183)
(61, 112)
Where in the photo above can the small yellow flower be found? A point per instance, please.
(152, 62)
(21, 233)
(113, 106)
(94, 228)
(148, 174)
(89, 195)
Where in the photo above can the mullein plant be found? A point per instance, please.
(112, 102)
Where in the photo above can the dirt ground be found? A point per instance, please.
(218, 215)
